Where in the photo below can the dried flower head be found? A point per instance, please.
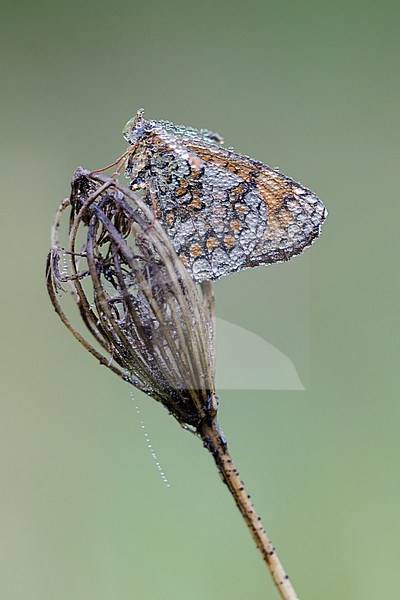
(135, 296)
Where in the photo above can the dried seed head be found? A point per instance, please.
(149, 322)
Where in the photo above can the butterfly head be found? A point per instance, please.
(136, 128)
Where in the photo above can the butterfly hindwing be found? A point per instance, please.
(223, 211)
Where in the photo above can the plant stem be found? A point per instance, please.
(215, 443)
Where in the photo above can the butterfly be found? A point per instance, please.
(223, 211)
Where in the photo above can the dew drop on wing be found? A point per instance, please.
(220, 262)
(307, 228)
(236, 257)
(316, 219)
(201, 269)
(252, 221)
(247, 240)
(283, 243)
(301, 218)
(293, 230)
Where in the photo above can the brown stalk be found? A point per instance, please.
(214, 441)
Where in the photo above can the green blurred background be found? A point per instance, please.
(309, 86)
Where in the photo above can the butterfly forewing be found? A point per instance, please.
(223, 211)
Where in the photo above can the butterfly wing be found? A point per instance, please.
(224, 211)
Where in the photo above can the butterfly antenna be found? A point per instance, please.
(118, 162)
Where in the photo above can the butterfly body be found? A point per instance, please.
(223, 211)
